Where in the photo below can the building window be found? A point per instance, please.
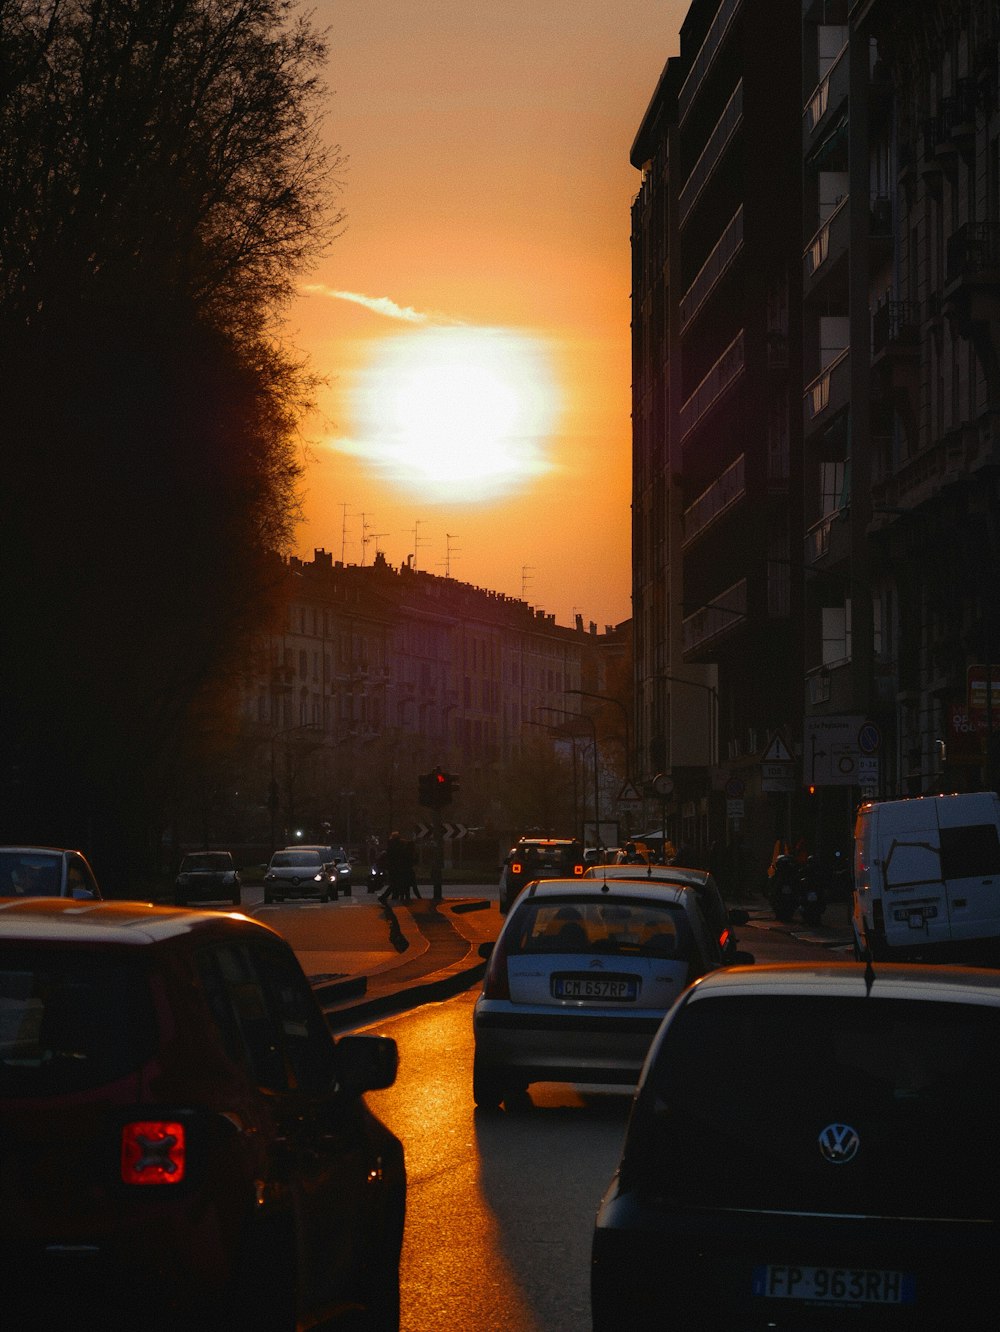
(836, 634)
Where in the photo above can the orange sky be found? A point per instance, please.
(487, 194)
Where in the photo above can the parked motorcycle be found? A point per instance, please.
(812, 892)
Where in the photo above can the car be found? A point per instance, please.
(298, 873)
(183, 1138)
(538, 858)
(810, 1146)
(337, 860)
(208, 876)
(46, 871)
(721, 918)
(578, 981)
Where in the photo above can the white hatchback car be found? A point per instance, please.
(579, 979)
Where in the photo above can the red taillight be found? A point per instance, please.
(496, 982)
(153, 1152)
(578, 870)
(515, 868)
(723, 939)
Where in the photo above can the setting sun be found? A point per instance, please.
(456, 412)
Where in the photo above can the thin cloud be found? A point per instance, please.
(378, 304)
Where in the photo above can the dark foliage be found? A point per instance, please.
(160, 186)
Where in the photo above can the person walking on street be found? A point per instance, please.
(398, 870)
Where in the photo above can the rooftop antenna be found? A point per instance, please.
(449, 549)
(526, 569)
(366, 536)
(375, 537)
(417, 542)
(343, 531)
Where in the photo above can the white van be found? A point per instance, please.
(927, 877)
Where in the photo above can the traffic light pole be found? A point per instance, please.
(437, 856)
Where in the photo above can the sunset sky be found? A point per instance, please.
(472, 320)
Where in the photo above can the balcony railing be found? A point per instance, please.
(725, 490)
(727, 612)
(723, 373)
(817, 395)
(818, 250)
(726, 248)
(895, 322)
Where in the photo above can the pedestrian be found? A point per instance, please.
(398, 868)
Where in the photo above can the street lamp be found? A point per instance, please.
(583, 716)
(610, 698)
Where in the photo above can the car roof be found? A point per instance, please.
(546, 841)
(843, 979)
(48, 850)
(541, 889)
(62, 919)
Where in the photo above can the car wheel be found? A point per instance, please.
(487, 1086)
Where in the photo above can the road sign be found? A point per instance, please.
(869, 738)
(776, 752)
(736, 788)
(453, 832)
(629, 795)
(831, 750)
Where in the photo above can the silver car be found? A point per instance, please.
(297, 873)
(579, 979)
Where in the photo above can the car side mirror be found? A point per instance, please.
(738, 916)
(367, 1063)
(486, 949)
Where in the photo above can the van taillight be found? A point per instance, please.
(515, 868)
(153, 1152)
(496, 982)
(578, 870)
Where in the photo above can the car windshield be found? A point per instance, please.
(70, 1021)
(745, 1087)
(598, 925)
(207, 861)
(295, 859)
(30, 874)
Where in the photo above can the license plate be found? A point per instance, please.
(616, 989)
(834, 1285)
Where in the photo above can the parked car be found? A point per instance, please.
(538, 858)
(337, 861)
(46, 871)
(184, 1143)
(208, 876)
(579, 979)
(298, 873)
(811, 1146)
(721, 918)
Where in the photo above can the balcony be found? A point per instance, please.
(830, 245)
(726, 491)
(972, 289)
(702, 62)
(830, 96)
(828, 542)
(726, 613)
(723, 374)
(713, 153)
(828, 393)
(728, 246)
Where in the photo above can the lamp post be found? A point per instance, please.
(272, 795)
(610, 698)
(583, 716)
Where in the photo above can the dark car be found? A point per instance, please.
(184, 1144)
(208, 876)
(46, 871)
(538, 858)
(810, 1147)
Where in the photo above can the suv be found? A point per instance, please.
(538, 858)
(208, 876)
(184, 1143)
(46, 871)
(811, 1147)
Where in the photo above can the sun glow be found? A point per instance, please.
(457, 413)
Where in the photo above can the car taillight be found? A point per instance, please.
(496, 982)
(154, 1151)
(578, 870)
(723, 939)
(515, 868)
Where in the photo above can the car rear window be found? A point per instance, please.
(554, 861)
(620, 927)
(70, 1020)
(740, 1091)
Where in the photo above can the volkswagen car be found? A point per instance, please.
(810, 1147)
(578, 982)
(184, 1143)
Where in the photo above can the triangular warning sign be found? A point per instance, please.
(776, 752)
(628, 792)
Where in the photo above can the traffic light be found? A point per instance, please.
(435, 789)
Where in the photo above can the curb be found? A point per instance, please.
(438, 985)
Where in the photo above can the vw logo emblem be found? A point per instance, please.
(839, 1143)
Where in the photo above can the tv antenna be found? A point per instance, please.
(449, 551)
(418, 541)
(526, 571)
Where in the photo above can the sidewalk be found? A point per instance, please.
(395, 956)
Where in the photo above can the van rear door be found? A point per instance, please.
(914, 900)
(970, 863)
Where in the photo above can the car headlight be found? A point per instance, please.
(182, 878)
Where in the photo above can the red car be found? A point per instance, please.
(182, 1141)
